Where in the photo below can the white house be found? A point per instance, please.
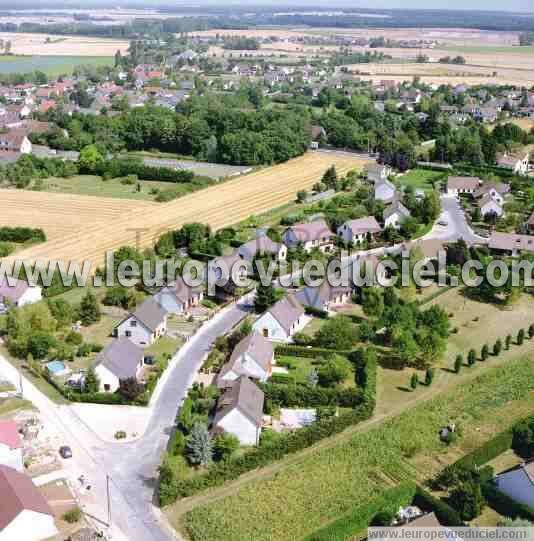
(260, 246)
(19, 294)
(518, 164)
(240, 412)
(385, 191)
(459, 185)
(252, 357)
(488, 205)
(11, 450)
(24, 513)
(178, 297)
(145, 325)
(323, 297)
(377, 173)
(121, 359)
(282, 320)
(15, 141)
(497, 191)
(356, 231)
(394, 214)
(313, 235)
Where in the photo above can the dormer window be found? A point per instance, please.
(133, 323)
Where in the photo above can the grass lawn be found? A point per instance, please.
(12, 405)
(52, 65)
(165, 345)
(94, 185)
(419, 179)
(100, 333)
(300, 366)
(314, 325)
(318, 486)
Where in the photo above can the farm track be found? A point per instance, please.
(219, 206)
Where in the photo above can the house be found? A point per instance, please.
(11, 446)
(385, 191)
(240, 412)
(488, 205)
(19, 294)
(459, 185)
(429, 248)
(358, 231)
(496, 190)
(367, 268)
(510, 243)
(394, 214)
(284, 319)
(317, 136)
(24, 513)
(313, 235)
(121, 359)
(518, 483)
(262, 245)
(15, 141)
(145, 325)
(178, 297)
(517, 163)
(324, 296)
(253, 357)
(229, 273)
(377, 173)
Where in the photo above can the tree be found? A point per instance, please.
(89, 309)
(484, 353)
(508, 341)
(301, 196)
(531, 331)
(224, 446)
(334, 370)
(520, 337)
(429, 376)
(130, 388)
(337, 333)
(62, 311)
(523, 438)
(373, 302)
(330, 178)
(468, 500)
(414, 381)
(40, 344)
(265, 298)
(471, 357)
(91, 383)
(199, 447)
(90, 159)
(497, 347)
(458, 363)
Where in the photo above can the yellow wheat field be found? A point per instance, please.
(218, 206)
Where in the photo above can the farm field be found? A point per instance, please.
(37, 44)
(219, 206)
(318, 488)
(51, 65)
(61, 214)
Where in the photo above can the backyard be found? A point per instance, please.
(419, 179)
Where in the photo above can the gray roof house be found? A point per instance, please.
(394, 214)
(323, 296)
(311, 235)
(354, 231)
(284, 319)
(518, 483)
(121, 359)
(240, 412)
(252, 357)
(178, 297)
(385, 191)
(145, 325)
(262, 245)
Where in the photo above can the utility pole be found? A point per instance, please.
(109, 501)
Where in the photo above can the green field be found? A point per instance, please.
(419, 179)
(323, 485)
(488, 50)
(51, 65)
(93, 185)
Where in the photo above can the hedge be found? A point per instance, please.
(21, 234)
(504, 505)
(289, 443)
(309, 353)
(446, 515)
(489, 450)
(361, 516)
(304, 396)
(316, 312)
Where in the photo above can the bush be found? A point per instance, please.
(334, 371)
(458, 363)
(471, 357)
(21, 234)
(305, 396)
(73, 515)
(520, 337)
(316, 312)
(308, 353)
(177, 443)
(523, 438)
(497, 348)
(74, 338)
(120, 435)
(484, 353)
(446, 515)
(531, 331)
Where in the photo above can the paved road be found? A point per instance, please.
(132, 467)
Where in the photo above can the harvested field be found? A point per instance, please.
(219, 206)
(36, 44)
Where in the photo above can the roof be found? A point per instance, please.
(311, 231)
(511, 241)
(499, 187)
(182, 291)
(317, 296)
(286, 311)
(258, 347)
(395, 207)
(485, 199)
(13, 293)
(425, 521)
(262, 245)
(430, 248)
(244, 396)
(121, 357)
(463, 183)
(14, 137)
(19, 494)
(9, 434)
(363, 225)
(150, 314)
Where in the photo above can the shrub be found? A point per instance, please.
(446, 515)
(73, 515)
(471, 357)
(74, 338)
(224, 446)
(508, 341)
(177, 443)
(429, 376)
(531, 331)
(120, 435)
(21, 234)
(334, 370)
(458, 363)
(305, 396)
(414, 381)
(497, 347)
(523, 438)
(520, 337)
(309, 353)
(484, 353)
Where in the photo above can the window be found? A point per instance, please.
(128, 334)
(266, 333)
(133, 323)
(107, 387)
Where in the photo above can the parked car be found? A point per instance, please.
(65, 451)
(443, 223)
